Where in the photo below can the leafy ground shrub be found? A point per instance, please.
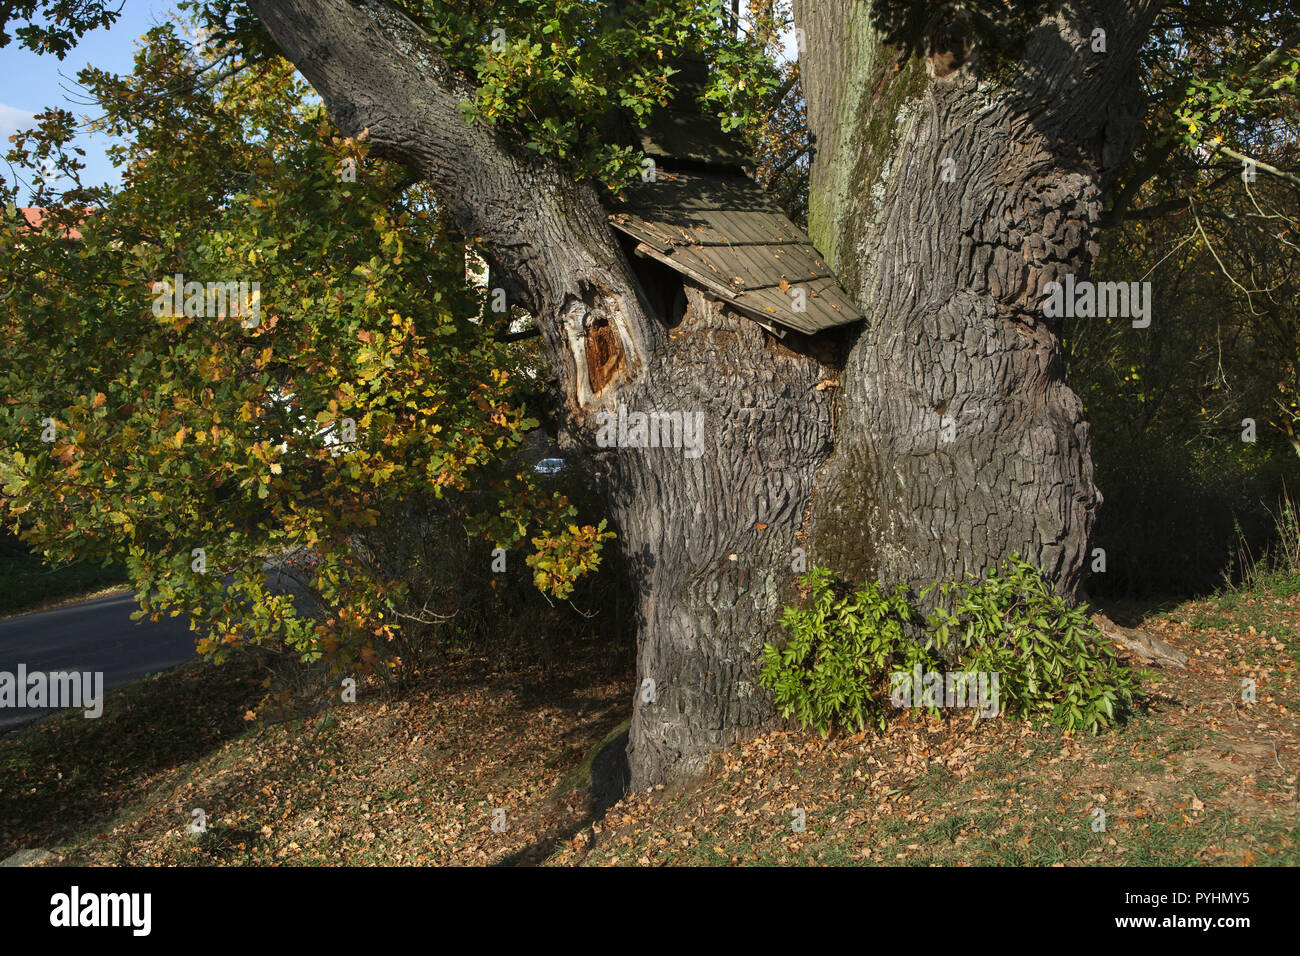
(1051, 659)
(844, 646)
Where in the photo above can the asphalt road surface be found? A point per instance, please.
(96, 635)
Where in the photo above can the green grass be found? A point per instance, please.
(27, 583)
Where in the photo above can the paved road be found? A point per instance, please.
(96, 635)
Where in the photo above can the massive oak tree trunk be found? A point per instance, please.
(709, 539)
(948, 275)
(952, 182)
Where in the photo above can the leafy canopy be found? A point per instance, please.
(573, 79)
(367, 380)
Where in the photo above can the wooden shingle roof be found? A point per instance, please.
(721, 230)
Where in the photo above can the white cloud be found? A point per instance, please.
(12, 119)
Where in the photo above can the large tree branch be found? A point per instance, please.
(381, 78)
(1262, 166)
(1176, 204)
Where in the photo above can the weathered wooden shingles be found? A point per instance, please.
(720, 229)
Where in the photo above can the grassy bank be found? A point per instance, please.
(28, 584)
(1199, 776)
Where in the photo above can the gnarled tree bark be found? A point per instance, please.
(952, 182)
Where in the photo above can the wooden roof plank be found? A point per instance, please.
(692, 269)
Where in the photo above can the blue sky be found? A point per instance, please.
(29, 83)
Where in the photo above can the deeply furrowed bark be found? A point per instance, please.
(948, 189)
(709, 539)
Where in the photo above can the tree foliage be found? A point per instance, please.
(180, 432)
(54, 26)
(572, 80)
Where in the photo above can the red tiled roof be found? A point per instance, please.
(35, 217)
